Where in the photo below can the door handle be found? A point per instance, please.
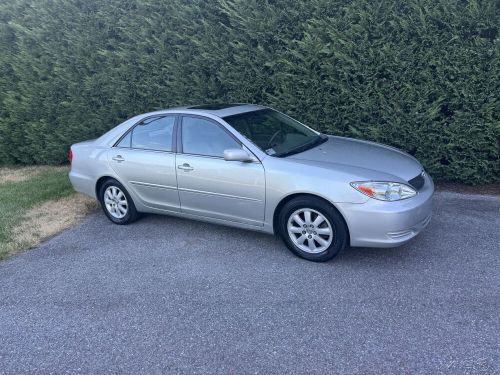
(185, 167)
(118, 158)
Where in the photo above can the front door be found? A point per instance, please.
(145, 162)
(210, 186)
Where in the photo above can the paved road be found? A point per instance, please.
(174, 296)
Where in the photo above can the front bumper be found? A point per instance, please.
(388, 224)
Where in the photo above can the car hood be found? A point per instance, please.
(363, 154)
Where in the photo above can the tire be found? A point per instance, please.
(326, 233)
(113, 204)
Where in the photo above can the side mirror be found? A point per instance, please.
(237, 154)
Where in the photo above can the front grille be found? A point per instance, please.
(418, 182)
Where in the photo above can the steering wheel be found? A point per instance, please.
(274, 136)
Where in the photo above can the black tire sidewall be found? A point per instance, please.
(131, 213)
(326, 209)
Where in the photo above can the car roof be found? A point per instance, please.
(214, 110)
(219, 109)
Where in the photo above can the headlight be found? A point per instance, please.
(384, 191)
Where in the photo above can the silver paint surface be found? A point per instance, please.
(248, 194)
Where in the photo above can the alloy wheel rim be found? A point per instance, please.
(310, 230)
(116, 202)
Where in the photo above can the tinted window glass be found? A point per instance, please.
(125, 142)
(273, 132)
(203, 137)
(154, 134)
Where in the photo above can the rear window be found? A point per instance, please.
(151, 134)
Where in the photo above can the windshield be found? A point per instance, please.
(273, 132)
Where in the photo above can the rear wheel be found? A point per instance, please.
(312, 229)
(117, 203)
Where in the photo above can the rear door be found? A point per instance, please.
(145, 162)
(210, 186)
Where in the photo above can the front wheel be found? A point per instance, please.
(117, 203)
(312, 229)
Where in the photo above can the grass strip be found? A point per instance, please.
(17, 198)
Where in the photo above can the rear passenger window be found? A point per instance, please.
(153, 134)
(125, 142)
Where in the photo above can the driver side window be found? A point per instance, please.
(204, 137)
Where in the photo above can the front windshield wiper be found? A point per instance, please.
(322, 138)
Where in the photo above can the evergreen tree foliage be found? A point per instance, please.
(421, 75)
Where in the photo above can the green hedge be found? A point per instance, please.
(422, 75)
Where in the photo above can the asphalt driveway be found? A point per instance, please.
(166, 295)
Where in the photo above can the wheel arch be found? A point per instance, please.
(101, 180)
(288, 198)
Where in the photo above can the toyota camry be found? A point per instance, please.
(252, 167)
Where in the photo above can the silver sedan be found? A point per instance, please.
(252, 167)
